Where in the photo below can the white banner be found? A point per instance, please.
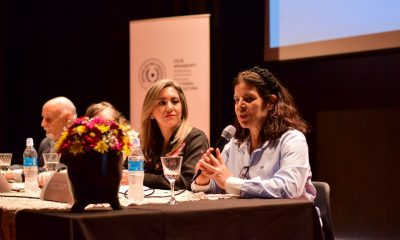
(176, 48)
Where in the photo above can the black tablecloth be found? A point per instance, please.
(205, 219)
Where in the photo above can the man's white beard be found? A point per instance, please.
(50, 135)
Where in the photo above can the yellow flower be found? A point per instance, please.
(101, 147)
(103, 128)
(76, 148)
(80, 129)
(126, 149)
(124, 128)
(61, 139)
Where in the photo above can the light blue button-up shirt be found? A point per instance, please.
(278, 169)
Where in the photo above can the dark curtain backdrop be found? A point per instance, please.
(80, 49)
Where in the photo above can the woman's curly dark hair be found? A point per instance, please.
(283, 115)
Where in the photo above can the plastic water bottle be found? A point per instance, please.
(136, 173)
(30, 167)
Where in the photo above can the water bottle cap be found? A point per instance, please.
(29, 142)
(136, 142)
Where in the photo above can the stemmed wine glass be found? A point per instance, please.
(172, 170)
(5, 162)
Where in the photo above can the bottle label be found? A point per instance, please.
(136, 165)
(30, 161)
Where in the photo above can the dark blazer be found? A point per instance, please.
(196, 143)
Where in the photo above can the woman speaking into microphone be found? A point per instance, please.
(268, 155)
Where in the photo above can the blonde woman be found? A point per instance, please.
(165, 131)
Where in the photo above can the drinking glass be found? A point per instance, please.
(172, 170)
(51, 161)
(5, 161)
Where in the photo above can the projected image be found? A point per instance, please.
(298, 29)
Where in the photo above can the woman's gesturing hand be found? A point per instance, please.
(213, 167)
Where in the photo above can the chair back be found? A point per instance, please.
(322, 201)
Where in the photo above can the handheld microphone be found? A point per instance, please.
(225, 137)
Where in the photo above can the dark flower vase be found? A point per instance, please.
(94, 178)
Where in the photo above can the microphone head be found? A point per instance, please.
(228, 132)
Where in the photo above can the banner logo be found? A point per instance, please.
(151, 71)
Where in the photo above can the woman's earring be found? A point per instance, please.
(151, 116)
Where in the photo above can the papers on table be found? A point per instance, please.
(159, 196)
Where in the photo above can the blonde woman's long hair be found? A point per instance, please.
(149, 127)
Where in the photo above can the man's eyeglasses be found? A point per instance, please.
(244, 172)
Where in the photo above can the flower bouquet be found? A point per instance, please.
(93, 149)
(94, 134)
